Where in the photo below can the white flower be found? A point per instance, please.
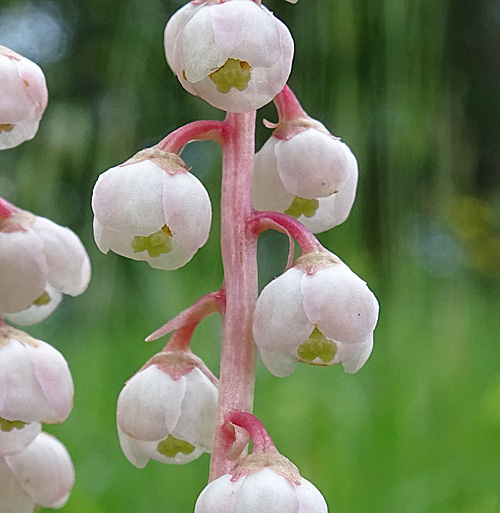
(23, 98)
(37, 266)
(264, 490)
(35, 381)
(16, 436)
(40, 475)
(235, 54)
(165, 418)
(151, 209)
(318, 312)
(311, 176)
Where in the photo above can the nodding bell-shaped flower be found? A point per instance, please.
(307, 173)
(23, 98)
(234, 54)
(151, 208)
(40, 475)
(35, 381)
(39, 261)
(318, 312)
(167, 411)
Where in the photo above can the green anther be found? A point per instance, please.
(44, 299)
(233, 73)
(9, 425)
(156, 244)
(301, 206)
(6, 127)
(317, 346)
(172, 446)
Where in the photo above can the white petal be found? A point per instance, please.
(23, 270)
(44, 469)
(196, 425)
(37, 313)
(149, 406)
(340, 303)
(219, 496)
(310, 498)
(279, 364)
(280, 323)
(13, 499)
(354, 356)
(267, 491)
(16, 440)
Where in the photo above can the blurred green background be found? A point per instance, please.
(412, 87)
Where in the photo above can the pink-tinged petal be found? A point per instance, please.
(354, 356)
(312, 164)
(267, 491)
(280, 322)
(219, 496)
(13, 498)
(187, 210)
(340, 303)
(67, 261)
(23, 270)
(44, 470)
(149, 406)
(54, 377)
(279, 364)
(17, 439)
(36, 313)
(196, 425)
(310, 498)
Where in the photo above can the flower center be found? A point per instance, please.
(172, 446)
(233, 73)
(9, 425)
(44, 299)
(317, 346)
(156, 244)
(302, 206)
(6, 127)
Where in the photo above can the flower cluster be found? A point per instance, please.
(39, 262)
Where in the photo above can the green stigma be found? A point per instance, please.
(317, 346)
(171, 446)
(302, 207)
(233, 73)
(6, 127)
(156, 244)
(44, 299)
(9, 425)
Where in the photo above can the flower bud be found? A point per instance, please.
(234, 54)
(167, 411)
(40, 475)
(23, 99)
(151, 209)
(37, 265)
(318, 312)
(308, 174)
(264, 490)
(36, 381)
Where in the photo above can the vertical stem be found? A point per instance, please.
(239, 256)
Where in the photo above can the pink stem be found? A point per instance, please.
(288, 106)
(262, 442)
(239, 255)
(7, 209)
(269, 220)
(196, 131)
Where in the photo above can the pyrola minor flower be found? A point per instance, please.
(234, 54)
(39, 261)
(308, 174)
(23, 98)
(150, 208)
(167, 411)
(40, 475)
(36, 384)
(318, 312)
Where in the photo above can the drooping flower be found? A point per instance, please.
(234, 54)
(151, 208)
(167, 411)
(40, 475)
(39, 261)
(318, 312)
(35, 381)
(308, 174)
(23, 98)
